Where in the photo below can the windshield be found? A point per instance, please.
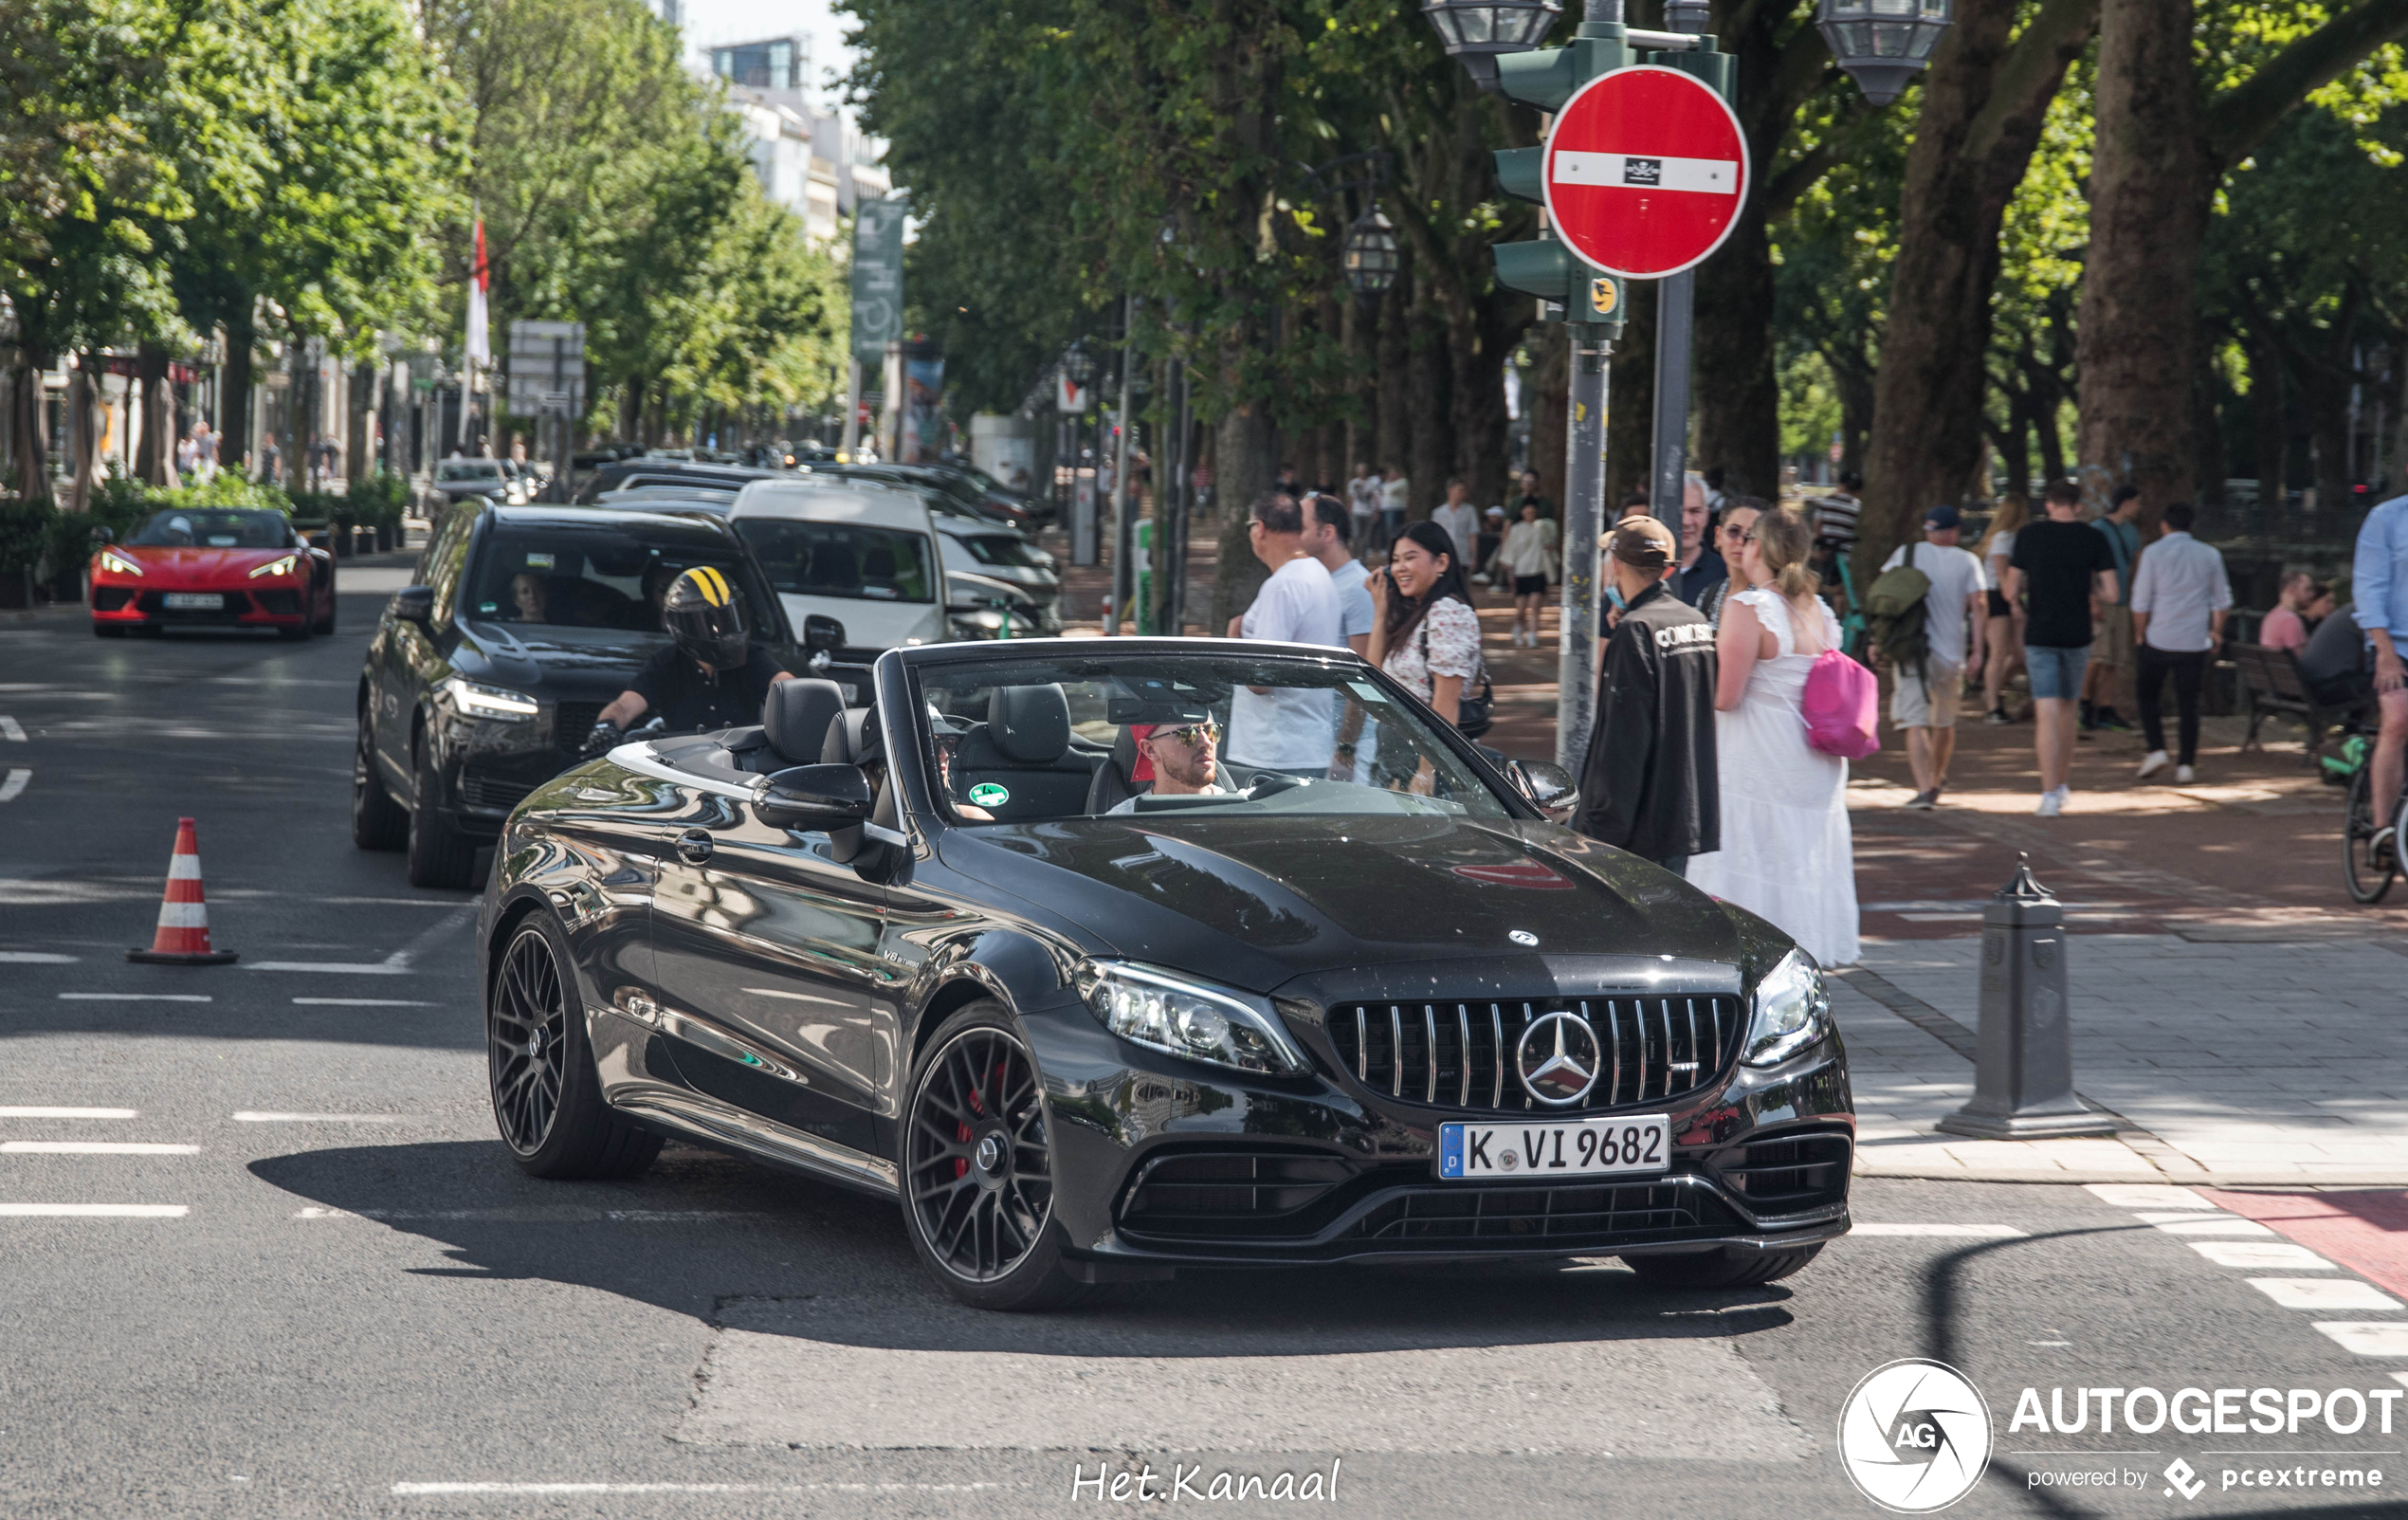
(210, 528)
(1021, 739)
(841, 560)
(596, 578)
(1000, 549)
(468, 470)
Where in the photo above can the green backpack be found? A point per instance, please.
(1894, 610)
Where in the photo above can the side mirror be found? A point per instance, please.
(415, 604)
(821, 631)
(1547, 785)
(103, 535)
(814, 798)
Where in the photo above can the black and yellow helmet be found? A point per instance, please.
(703, 613)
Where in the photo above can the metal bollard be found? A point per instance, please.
(2023, 1067)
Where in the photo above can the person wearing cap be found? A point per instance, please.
(1923, 703)
(712, 675)
(1648, 783)
(1185, 757)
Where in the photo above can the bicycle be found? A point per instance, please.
(2367, 869)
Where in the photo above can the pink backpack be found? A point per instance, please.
(1841, 705)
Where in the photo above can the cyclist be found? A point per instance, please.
(711, 676)
(2379, 581)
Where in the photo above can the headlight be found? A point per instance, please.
(119, 563)
(1792, 1010)
(978, 625)
(277, 567)
(1165, 1012)
(474, 700)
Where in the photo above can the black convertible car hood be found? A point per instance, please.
(1258, 901)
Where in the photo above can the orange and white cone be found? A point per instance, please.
(182, 936)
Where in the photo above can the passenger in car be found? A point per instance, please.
(1186, 759)
(531, 598)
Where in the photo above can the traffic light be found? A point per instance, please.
(1544, 268)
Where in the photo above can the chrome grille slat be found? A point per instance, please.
(1397, 1034)
(1496, 1025)
(1614, 1024)
(1463, 1028)
(1641, 1046)
(1362, 1046)
(1430, 1027)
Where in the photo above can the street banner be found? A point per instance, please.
(480, 345)
(876, 283)
(1644, 172)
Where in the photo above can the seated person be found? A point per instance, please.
(1185, 757)
(530, 599)
(2286, 627)
(711, 676)
(2334, 664)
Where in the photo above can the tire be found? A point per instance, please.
(977, 1169)
(326, 624)
(377, 822)
(547, 1102)
(440, 854)
(1726, 1268)
(2367, 880)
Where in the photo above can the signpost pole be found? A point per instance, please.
(852, 408)
(1675, 313)
(1583, 520)
(1123, 529)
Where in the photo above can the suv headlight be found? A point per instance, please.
(1792, 1010)
(471, 699)
(1166, 1012)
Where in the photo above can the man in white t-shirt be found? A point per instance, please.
(1363, 501)
(1923, 704)
(1461, 520)
(1325, 538)
(1395, 497)
(1278, 729)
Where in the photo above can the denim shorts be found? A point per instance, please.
(2057, 673)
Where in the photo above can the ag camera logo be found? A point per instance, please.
(1914, 1436)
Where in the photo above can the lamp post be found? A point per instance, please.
(1883, 43)
(1370, 255)
(1078, 367)
(1475, 31)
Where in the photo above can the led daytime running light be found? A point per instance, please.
(1166, 1012)
(1792, 1010)
(489, 702)
(119, 564)
(277, 567)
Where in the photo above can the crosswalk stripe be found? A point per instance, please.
(94, 1211)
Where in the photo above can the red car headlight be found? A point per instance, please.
(119, 564)
(277, 567)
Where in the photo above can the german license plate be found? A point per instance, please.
(1544, 1151)
(195, 601)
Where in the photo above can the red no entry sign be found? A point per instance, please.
(1645, 172)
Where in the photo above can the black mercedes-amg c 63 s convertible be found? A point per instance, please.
(1105, 957)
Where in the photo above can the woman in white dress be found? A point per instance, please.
(1787, 854)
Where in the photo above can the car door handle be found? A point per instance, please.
(694, 846)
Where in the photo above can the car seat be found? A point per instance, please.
(1024, 749)
(795, 717)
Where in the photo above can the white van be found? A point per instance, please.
(861, 552)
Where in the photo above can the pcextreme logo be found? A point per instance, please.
(1914, 1436)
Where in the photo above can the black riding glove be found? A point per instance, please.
(605, 738)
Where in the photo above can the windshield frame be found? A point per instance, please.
(901, 700)
(290, 540)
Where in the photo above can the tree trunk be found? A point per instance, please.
(28, 426)
(83, 428)
(359, 460)
(1481, 339)
(1985, 100)
(2150, 187)
(1431, 445)
(1544, 401)
(1242, 470)
(1393, 434)
(1630, 402)
(2208, 470)
(154, 453)
(235, 395)
(1856, 383)
(1734, 395)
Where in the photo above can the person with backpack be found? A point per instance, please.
(1787, 854)
(1921, 605)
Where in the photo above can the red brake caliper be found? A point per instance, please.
(961, 1134)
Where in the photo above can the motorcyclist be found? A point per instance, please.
(711, 676)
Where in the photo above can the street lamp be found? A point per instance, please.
(1370, 255)
(1883, 43)
(1475, 31)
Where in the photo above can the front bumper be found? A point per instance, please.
(486, 768)
(1167, 1162)
(120, 605)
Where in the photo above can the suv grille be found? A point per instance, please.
(1629, 1214)
(573, 721)
(482, 788)
(1460, 1054)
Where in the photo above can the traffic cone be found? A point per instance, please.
(182, 938)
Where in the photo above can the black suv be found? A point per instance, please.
(484, 678)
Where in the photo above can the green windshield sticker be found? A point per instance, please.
(988, 795)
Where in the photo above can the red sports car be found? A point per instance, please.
(213, 567)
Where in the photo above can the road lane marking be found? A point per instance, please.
(2367, 1337)
(136, 997)
(2325, 1292)
(93, 1147)
(35, 957)
(399, 963)
(2205, 1224)
(1944, 1232)
(562, 1214)
(2146, 1196)
(34, 1111)
(14, 786)
(94, 1211)
(10, 729)
(2260, 1254)
(247, 1117)
(362, 1002)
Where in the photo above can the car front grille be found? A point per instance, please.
(1629, 1214)
(111, 599)
(1799, 1171)
(573, 721)
(1460, 1054)
(282, 601)
(498, 791)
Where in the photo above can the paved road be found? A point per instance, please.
(322, 1291)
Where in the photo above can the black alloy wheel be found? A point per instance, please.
(547, 1101)
(2366, 870)
(1729, 1267)
(977, 1178)
(377, 822)
(440, 854)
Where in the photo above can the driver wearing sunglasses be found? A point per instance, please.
(1186, 759)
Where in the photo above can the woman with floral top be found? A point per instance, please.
(1423, 630)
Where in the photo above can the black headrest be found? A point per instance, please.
(1030, 723)
(852, 738)
(796, 715)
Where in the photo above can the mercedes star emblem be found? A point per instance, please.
(1558, 1059)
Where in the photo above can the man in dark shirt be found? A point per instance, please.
(1649, 783)
(711, 676)
(2065, 563)
(1700, 566)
